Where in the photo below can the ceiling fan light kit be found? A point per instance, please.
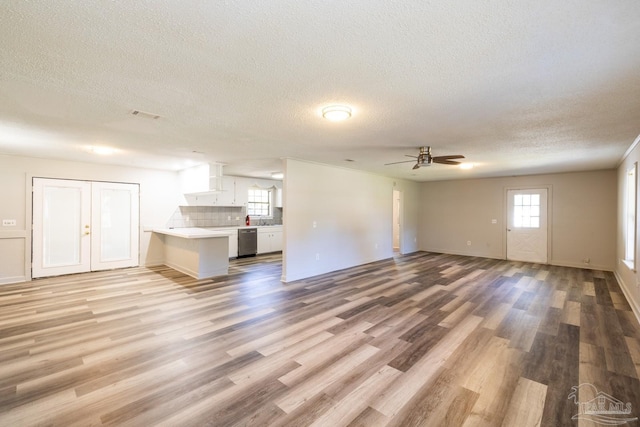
(336, 113)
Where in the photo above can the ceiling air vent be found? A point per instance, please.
(144, 114)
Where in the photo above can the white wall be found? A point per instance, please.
(352, 211)
(582, 220)
(159, 196)
(628, 278)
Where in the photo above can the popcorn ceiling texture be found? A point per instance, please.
(517, 87)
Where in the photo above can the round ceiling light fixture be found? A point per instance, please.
(102, 150)
(336, 113)
(277, 175)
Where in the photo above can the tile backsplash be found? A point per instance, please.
(216, 216)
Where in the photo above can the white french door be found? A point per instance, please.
(61, 227)
(114, 225)
(81, 226)
(527, 225)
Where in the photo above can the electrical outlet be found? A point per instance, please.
(8, 222)
(375, 246)
(468, 242)
(315, 224)
(317, 257)
(229, 218)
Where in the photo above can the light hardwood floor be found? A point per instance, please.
(425, 339)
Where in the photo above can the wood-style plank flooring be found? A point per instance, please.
(425, 339)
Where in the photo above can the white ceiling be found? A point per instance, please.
(518, 87)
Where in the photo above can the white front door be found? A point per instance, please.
(61, 227)
(81, 226)
(527, 225)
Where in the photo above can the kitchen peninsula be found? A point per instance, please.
(200, 253)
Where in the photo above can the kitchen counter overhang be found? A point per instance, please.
(200, 253)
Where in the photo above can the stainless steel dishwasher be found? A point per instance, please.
(247, 242)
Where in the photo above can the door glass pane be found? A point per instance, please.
(61, 228)
(115, 225)
(526, 211)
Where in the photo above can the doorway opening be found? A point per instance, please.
(396, 221)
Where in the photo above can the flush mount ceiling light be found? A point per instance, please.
(466, 166)
(277, 175)
(102, 150)
(336, 113)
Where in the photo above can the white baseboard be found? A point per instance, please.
(580, 265)
(462, 253)
(493, 256)
(627, 294)
(13, 279)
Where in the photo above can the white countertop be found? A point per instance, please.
(240, 227)
(192, 233)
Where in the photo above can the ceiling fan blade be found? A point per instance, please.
(453, 156)
(445, 161)
(395, 163)
(425, 159)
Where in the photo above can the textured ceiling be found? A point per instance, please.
(517, 87)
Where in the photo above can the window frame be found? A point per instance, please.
(630, 216)
(269, 202)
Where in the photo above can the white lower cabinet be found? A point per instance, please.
(233, 243)
(269, 239)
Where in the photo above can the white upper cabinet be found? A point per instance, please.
(201, 178)
(201, 188)
(277, 199)
(242, 191)
(227, 197)
(194, 179)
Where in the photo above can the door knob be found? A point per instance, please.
(87, 233)
(508, 229)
